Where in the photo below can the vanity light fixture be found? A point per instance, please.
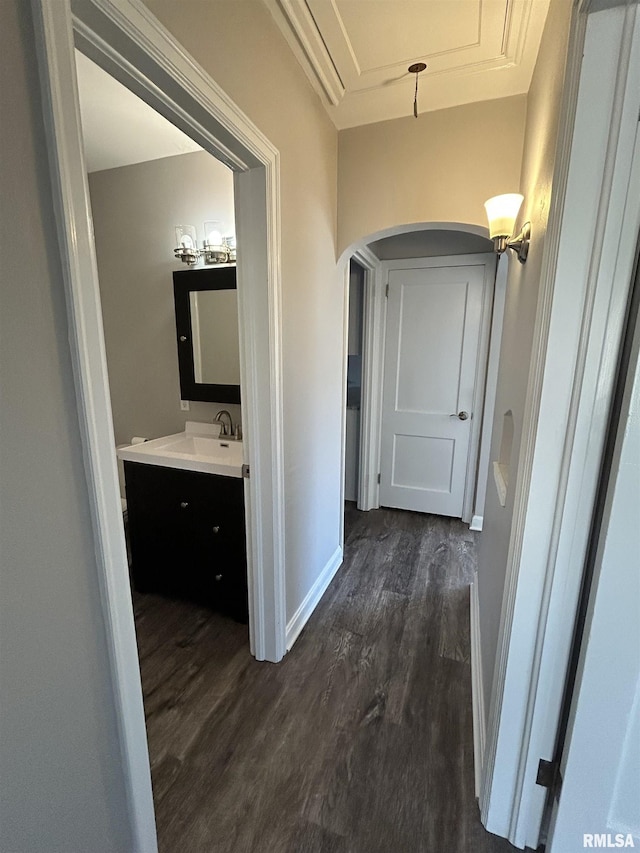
(216, 248)
(502, 211)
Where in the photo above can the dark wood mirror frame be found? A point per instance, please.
(186, 282)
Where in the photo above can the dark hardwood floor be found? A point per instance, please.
(360, 741)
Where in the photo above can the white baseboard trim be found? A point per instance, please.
(476, 522)
(302, 614)
(477, 689)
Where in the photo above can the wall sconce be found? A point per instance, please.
(216, 248)
(502, 211)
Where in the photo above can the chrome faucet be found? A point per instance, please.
(218, 419)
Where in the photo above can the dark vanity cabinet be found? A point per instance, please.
(187, 536)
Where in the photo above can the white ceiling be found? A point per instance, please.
(119, 129)
(356, 52)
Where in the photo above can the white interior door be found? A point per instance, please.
(432, 337)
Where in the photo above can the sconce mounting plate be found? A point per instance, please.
(520, 243)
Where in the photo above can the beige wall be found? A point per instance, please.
(440, 167)
(135, 209)
(543, 107)
(245, 53)
(62, 786)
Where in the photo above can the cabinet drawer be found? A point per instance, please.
(170, 488)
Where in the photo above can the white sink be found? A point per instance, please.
(198, 448)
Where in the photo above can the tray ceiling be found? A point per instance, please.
(356, 52)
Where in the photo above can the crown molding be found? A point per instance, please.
(297, 25)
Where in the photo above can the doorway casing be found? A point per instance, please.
(126, 40)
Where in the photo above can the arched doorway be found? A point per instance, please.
(370, 261)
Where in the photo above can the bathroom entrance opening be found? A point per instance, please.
(127, 42)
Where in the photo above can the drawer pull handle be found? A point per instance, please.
(184, 504)
(216, 529)
(218, 577)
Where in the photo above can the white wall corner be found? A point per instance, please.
(311, 600)
(477, 689)
(476, 522)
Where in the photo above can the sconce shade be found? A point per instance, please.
(186, 236)
(186, 249)
(212, 236)
(502, 211)
(215, 249)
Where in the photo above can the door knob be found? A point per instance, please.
(216, 529)
(183, 338)
(218, 577)
(462, 416)
(184, 504)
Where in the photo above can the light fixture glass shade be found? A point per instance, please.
(186, 236)
(502, 211)
(212, 236)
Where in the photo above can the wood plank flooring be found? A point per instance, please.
(360, 741)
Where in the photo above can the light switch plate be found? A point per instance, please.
(184, 406)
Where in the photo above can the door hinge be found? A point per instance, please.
(549, 776)
(246, 471)
(386, 292)
(378, 478)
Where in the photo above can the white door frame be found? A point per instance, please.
(370, 414)
(127, 40)
(599, 764)
(588, 259)
(491, 388)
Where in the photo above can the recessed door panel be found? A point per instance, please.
(430, 327)
(423, 462)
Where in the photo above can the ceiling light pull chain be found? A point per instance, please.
(416, 68)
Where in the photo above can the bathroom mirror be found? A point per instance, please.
(207, 334)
